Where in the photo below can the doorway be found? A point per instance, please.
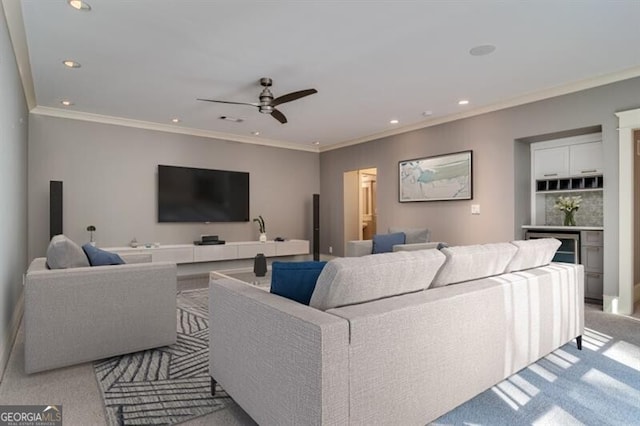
(360, 204)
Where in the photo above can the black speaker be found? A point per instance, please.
(55, 208)
(316, 226)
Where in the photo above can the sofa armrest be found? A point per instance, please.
(419, 246)
(357, 248)
(82, 314)
(283, 362)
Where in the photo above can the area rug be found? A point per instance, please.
(599, 385)
(166, 385)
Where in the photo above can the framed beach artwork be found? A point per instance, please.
(440, 178)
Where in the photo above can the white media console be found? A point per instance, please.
(190, 253)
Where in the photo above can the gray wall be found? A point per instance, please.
(109, 176)
(13, 192)
(500, 170)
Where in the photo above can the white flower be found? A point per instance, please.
(568, 204)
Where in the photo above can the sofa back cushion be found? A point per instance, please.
(295, 280)
(413, 235)
(351, 280)
(63, 253)
(533, 253)
(465, 263)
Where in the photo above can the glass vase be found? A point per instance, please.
(569, 218)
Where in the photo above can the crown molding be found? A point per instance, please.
(15, 24)
(588, 83)
(147, 125)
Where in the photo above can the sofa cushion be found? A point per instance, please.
(383, 243)
(351, 280)
(63, 253)
(98, 257)
(466, 263)
(413, 235)
(295, 280)
(533, 253)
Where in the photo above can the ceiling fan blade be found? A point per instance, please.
(227, 102)
(292, 96)
(278, 116)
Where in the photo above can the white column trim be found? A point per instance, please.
(628, 121)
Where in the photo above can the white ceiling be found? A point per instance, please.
(371, 61)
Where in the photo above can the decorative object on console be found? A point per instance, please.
(262, 228)
(134, 242)
(569, 205)
(260, 265)
(443, 177)
(91, 230)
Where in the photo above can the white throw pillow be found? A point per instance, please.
(350, 280)
(413, 235)
(533, 253)
(466, 263)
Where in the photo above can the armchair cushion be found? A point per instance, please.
(63, 253)
(295, 280)
(98, 257)
(383, 243)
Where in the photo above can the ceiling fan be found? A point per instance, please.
(267, 102)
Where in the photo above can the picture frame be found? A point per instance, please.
(446, 177)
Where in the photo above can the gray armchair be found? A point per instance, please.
(88, 313)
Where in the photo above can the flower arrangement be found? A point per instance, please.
(262, 227)
(261, 224)
(568, 205)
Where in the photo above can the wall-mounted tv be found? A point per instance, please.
(188, 194)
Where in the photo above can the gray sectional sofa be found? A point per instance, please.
(397, 338)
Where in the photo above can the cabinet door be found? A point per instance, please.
(551, 162)
(593, 286)
(585, 159)
(592, 258)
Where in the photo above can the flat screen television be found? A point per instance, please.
(188, 194)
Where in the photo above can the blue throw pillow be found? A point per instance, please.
(99, 257)
(295, 280)
(383, 243)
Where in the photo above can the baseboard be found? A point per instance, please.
(14, 325)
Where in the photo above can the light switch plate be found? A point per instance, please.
(475, 208)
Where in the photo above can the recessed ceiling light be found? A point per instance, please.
(175, 120)
(66, 103)
(255, 133)
(71, 64)
(482, 50)
(79, 5)
(463, 102)
(394, 121)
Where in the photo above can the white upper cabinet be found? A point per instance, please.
(585, 159)
(551, 163)
(569, 157)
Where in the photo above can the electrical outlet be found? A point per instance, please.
(330, 250)
(475, 208)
